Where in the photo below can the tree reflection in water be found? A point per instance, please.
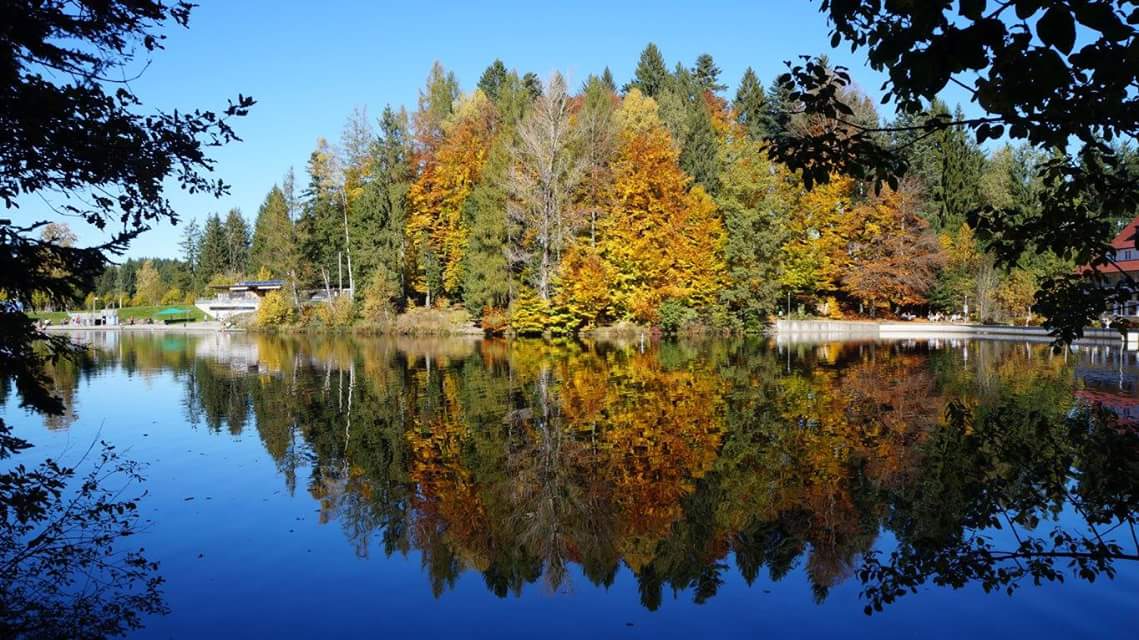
(519, 460)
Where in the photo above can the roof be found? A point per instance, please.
(260, 283)
(252, 284)
(173, 312)
(1125, 239)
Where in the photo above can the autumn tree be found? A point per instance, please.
(662, 239)
(894, 258)
(435, 227)
(148, 284)
(814, 253)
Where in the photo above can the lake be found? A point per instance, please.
(302, 487)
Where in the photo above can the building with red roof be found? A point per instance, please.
(1126, 265)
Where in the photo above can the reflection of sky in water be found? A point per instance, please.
(242, 555)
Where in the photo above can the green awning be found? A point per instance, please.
(173, 312)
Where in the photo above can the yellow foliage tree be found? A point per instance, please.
(661, 240)
(814, 255)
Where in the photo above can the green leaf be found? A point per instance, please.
(1057, 29)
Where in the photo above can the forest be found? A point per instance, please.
(527, 207)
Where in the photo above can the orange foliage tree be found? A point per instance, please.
(437, 196)
(894, 258)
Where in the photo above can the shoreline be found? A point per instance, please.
(191, 327)
(826, 330)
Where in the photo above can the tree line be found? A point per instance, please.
(539, 209)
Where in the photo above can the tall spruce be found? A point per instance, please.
(753, 205)
(492, 79)
(236, 242)
(651, 76)
(213, 256)
(607, 78)
(272, 246)
(751, 105)
(191, 246)
(698, 155)
(379, 216)
(320, 227)
(489, 271)
(777, 114)
(707, 74)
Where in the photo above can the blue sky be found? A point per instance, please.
(309, 63)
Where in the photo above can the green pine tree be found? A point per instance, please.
(777, 115)
(492, 79)
(236, 242)
(750, 201)
(707, 74)
(191, 245)
(651, 76)
(698, 155)
(379, 216)
(607, 78)
(213, 256)
(272, 246)
(751, 105)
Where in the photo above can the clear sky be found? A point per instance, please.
(309, 63)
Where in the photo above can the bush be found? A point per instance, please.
(438, 322)
(675, 316)
(495, 321)
(275, 310)
(529, 314)
(337, 314)
(377, 307)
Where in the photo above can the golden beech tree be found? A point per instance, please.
(661, 239)
(437, 196)
(814, 256)
(584, 279)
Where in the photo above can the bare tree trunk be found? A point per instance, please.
(327, 288)
(348, 246)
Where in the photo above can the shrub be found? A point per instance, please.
(377, 305)
(675, 316)
(529, 314)
(275, 310)
(338, 313)
(495, 321)
(428, 321)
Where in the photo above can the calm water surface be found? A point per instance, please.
(302, 488)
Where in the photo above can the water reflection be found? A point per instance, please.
(893, 465)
